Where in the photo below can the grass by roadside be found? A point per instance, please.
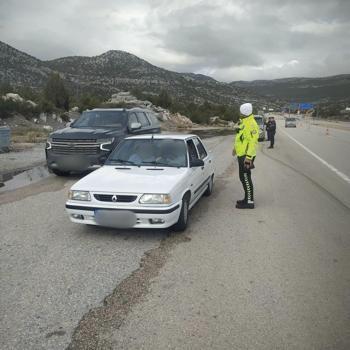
(29, 135)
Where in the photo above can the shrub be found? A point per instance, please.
(56, 93)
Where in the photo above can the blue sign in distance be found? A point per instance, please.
(306, 106)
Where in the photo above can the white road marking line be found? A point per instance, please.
(329, 166)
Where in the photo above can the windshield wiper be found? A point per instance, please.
(122, 161)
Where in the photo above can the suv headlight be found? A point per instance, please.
(155, 199)
(48, 143)
(79, 195)
(106, 144)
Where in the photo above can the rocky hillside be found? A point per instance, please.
(325, 89)
(18, 68)
(115, 71)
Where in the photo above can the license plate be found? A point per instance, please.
(115, 218)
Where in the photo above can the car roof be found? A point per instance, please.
(162, 136)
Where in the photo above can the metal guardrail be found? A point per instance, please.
(5, 137)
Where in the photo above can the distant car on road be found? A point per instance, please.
(290, 123)
(88, 141)
(260, 120)
(148, 181)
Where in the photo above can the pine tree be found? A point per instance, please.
(56, 93)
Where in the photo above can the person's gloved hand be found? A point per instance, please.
(234, 152)
(248, 163)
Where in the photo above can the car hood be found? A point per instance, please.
(85, 133)
(120, 179)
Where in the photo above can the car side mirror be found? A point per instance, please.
(135, 126)
(195, 163)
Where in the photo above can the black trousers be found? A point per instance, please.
(245, 175)
(271, 136)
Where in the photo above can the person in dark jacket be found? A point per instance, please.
(271, 131)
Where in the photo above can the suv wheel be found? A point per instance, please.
(183, 218)
(60, 173)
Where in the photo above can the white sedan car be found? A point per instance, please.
(148, 181)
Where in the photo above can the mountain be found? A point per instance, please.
(112, 72)
(19, 68)
(324, 89)
(116, 71)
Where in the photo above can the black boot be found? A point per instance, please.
(240, 201)
(245, 205)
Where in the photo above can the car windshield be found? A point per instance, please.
(291, 119)
(146, 152)
(102, 119)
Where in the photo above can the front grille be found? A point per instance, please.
(67, 146)
(120, 198)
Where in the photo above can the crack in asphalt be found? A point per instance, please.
(117, 305)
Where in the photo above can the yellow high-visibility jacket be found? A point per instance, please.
(246, 139)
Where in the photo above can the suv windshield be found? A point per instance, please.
(290, 119)
(143, 152)
(102, 119)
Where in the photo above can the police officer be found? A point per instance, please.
(271, 131)
(245, 144)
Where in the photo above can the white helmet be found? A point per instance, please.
(246, 109)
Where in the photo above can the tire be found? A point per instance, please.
(59, 172)
(183, 218)
(209, 189)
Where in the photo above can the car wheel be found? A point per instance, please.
(183, 218)
(60, 173)
(209, 189)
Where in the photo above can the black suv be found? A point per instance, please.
(87, 142)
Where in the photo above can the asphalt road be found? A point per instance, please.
(277, 277)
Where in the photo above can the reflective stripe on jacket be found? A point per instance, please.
(247, 137)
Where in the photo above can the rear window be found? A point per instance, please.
(153, 119)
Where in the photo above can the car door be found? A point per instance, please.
(206, 157)
(196, 177)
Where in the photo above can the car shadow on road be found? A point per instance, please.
(126, 234)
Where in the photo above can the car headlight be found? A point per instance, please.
(48, 143)
(155, 199)
(106, 144)
(79, 195)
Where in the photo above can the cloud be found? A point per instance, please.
(229, 40)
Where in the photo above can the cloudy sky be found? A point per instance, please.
(228, 40)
